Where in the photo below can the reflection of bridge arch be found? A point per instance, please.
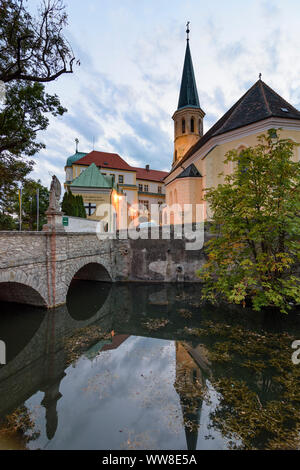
(22, 288)
(85, 299)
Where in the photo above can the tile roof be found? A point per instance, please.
(151, 175)
(115, 162)
(105, 160)
(258, 103)
(92, 178)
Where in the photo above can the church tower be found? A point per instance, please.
(188, 118)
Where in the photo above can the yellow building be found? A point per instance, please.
(198, 158)
(106, 178)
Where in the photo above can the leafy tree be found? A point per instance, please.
(256, 251)
(22, 117)
(29, 204)
(32, 50)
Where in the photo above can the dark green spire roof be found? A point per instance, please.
(188, 91)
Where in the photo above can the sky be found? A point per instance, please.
(123, 95)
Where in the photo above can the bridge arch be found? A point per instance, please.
(91, 268)
(21, 288)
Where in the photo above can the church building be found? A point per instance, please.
(198, 158)
(104, 178)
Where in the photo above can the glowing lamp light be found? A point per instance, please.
(117, 197)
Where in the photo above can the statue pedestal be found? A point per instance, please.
(54, 221)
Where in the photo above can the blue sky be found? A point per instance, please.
(131, 51)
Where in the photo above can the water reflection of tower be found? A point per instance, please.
(52, 395)
(190, 386)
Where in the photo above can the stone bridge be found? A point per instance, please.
(37, 267)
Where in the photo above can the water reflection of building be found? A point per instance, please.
(190, 384)
(106, 345)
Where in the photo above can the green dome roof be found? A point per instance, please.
(73, 158)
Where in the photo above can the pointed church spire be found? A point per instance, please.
(188, 118)
(188, 91)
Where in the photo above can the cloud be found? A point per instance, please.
(126, 89)
(231, 51)
(270, 8)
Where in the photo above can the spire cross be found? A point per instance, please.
(187, 30)
(260, 76)
(76, 142)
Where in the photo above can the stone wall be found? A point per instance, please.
(37, 267)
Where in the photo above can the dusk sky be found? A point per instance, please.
(131, 52)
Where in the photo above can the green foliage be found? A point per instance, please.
(257, 383)
(256, 250)
(7, 222)
(73, 205)
(66, 205)
(29, 204)
(24, 114)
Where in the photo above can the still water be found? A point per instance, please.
(147, 367)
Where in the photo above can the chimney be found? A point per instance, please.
(147, 167)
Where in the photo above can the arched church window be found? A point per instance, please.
(183, 125)
(192, 124)
(175, 155)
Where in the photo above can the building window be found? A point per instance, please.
(121, 179)
(192, 124)
(146, 188)
(89, 208)
(183, 125)
(175, 155)
(159, 189)
(141, 187)
(113, 177)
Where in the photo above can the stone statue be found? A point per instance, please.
(55, 193)
(53, 213)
